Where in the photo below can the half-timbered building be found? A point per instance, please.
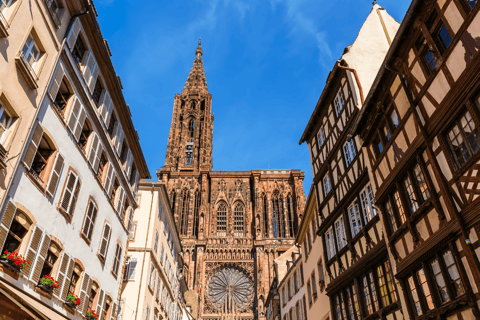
(358, 275)
(419, 130)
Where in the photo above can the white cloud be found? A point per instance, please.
(301, 23)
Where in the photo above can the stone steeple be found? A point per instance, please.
(190, 141)
(196, 81)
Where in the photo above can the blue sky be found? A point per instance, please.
(266, 62)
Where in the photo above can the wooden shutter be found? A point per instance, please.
(64, 275)
(95, 152)
(105, 109)
(85, 292)
(135, 185)
(133, 268)
(128, 164)
(120, 202)
(109, 179)
(76, 118)
(7, 219)
(32, 249)
(90, 218)
(116, 260)
(73, 34)
(113, 312)
(87, 72)
(33, 146)
(55, 175)
(101, 297)
(119, 141)
(93, 81)
(40, 259)
(69, 194)
(56, 82)
(130, 220)
(107, 230)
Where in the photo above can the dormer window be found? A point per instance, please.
(339, 102)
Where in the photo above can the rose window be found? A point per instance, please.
(230, 289)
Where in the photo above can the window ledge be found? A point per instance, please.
(102, 260)
(3, 26)
(85, 239)
(113, 274)
(27, 72)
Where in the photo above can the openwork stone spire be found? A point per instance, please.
(196, 81)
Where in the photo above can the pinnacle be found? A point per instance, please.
(196, 80)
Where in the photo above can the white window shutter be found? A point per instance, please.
(33, 146)
(108, 178)
(128, 164)
(7, 219)
(55, 175)
(73, 34)
(64, 275)
(92, 151)
(107, 230)
(135, 186)
(56, 82)
(85, 292)
(40, 258)
(130, 222)
(133, 269)
(105, 106)
(76, 118)
(108, 114)
(34, 244)
(69, 194)
(101, 296)
(113, 312)
(95, 71)
(112, 180)
(88, 71)
(121, 202)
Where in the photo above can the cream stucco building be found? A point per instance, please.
(154, 280)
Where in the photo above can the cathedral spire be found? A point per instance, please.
(196, 81)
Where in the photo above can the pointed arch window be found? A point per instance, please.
(195, 213)
(238, 225)
(185, 212)
(222, 220)
(191, 128)
(265, 215)
(278, 216)
(291, 217)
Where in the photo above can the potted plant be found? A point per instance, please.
(72, 301)
(13, 261)
(91, 315)
(47, 283)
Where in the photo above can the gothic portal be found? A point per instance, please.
(232, 223)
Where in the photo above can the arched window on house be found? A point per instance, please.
(185, 212)
(222, 220)
(196, 212)
(238, 223)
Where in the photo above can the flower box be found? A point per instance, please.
(13, 261)
(47, 283)
(91, 315)
(72, 301)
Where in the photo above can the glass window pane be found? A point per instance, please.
(355, 222)
(382, 284)
(453, 273)
(427, 297)
(460, 150)
(394, 118)
(445, 37)
(471, 132)
(373, 290)
(440, 281)
(411, 196)
(391, 217)
(366, 295)
(415, 297)
(431, 61)
(422, 184)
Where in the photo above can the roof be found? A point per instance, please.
(407, 20)
(196, 80)
(363, 57)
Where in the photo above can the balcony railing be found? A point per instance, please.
(27, 64)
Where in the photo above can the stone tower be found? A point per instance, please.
(233, 224)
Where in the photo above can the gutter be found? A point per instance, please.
(396, 42)
(356, 78)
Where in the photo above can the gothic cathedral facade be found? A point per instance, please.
(233, 224)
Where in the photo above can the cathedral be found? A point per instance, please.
(233, 224)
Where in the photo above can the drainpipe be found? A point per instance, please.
(356, 78)
(144, 253)
(468, 247)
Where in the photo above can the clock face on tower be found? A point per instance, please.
(230, 290)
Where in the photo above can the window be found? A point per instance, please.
(279, 230)
(55, 10)
(147, 313)
(102, 165)
(355, 219)
(330, 243)
(185, 212)
(78, 51)
(349, 152)
(111, 126)
(70, 193)
(321, 136)
(238, 220)
(426, 55)
(130, 269)
(103, 249)
(368, 203)
(31, 53)
(443, 37)
(6, 120)
(155, 246)
(314, 285)
(123, 153)
(309, 291)
(198, 199)
(340, 233)
(19, 227)
(90, 218)
(61, 91)
(309, 248)
(132, 231)
(152, 275)
(377, 146)
(85, 134)
(471, 3)
(50, 259)
(464, 139)
(327, 186)
(97, 93)
(289, 290)
(393, 117)
(117, 259)
(77, 271)
(339, 102)
(4, 5)
(222, 220)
